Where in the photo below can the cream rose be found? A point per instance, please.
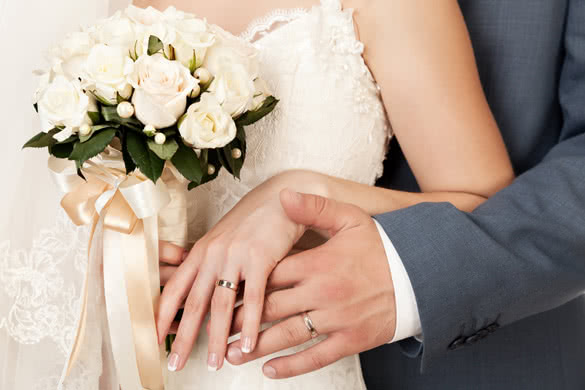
(145, 16)
(262, 92)
(117, 31)
(206, 125)
(228, 50)
(63, 103)
(161, 88)
(234, 89)
(69, 55)
(192, 35)
(106, 71)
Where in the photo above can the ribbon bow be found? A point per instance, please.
(127, 206)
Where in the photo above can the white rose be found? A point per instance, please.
(171, 14)
(161, 90)
(228, 50)
(117, 30)
(162, 31)
(234, 89)
(63, 103)
(192, 35)
(106, 71)
(145, 16)
(69, 55)
(207, 125)
(262, 92)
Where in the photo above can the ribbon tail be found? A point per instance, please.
(130, 271)
(82, 322)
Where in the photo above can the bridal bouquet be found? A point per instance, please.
(135, 111)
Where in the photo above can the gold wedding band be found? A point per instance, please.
(227, 284)
(309, 325)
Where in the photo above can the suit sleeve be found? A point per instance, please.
(522, 252)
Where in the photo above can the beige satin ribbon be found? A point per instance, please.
(127, 206)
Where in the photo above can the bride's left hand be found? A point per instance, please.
(245, 245)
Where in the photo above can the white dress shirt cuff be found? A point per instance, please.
(407, 316)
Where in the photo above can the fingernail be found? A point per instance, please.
(247, 345)
(234, 354)
(269, 371)
(173, 362)
(212, 362)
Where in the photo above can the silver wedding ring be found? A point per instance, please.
(310, 326)
(227, 284)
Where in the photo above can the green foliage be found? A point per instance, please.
(154, 45)
(252, 117)
(193, 62)
(165, 151)
(42, 140)
(94, 146)
(95, 117)
(145, 159)
(187, 162)
(62, 150)
(128, 162)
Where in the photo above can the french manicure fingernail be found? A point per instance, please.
(234, 354)
(212, 362)
(269, 371)
(247, 345)
(173, 362)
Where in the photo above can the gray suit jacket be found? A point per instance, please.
(499, 290)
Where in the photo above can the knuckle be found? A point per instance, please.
(192, 306)
(253, 297)
(291, 334)
(220, 303)
(317, 360)
(270, 306)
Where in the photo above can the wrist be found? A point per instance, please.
(302, 181)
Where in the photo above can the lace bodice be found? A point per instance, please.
(330, 118)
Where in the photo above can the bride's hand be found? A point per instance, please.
(245, 246)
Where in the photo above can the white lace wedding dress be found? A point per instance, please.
(330, 119)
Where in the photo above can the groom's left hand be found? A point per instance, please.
(345, 286)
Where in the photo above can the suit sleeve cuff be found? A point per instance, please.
(407, 317)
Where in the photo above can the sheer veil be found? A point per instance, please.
(42, 256)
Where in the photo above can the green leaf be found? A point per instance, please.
(61, 150)
(193, 62)
(86, 150)
(251, 117)
(94, 129)
(146, 160)
(128, 162)
(95, 117)
(165, 151)
(154, 45)
(234, 166)
(187, 162)
(110, 114)
(212, 159)
(102, 100)
(42, 140)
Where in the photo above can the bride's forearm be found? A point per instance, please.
(373, 200)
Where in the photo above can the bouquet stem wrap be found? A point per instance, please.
(127, 210)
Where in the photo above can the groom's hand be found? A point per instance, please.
(345, 286)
